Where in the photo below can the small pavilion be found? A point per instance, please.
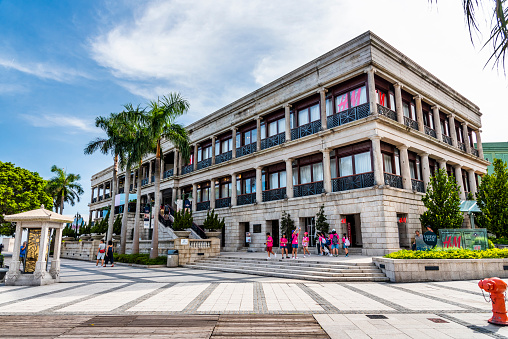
(32, 270)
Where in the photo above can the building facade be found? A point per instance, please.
(495, 150)
(359, 130)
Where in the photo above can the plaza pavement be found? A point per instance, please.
(131, 297)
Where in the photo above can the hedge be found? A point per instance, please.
(141, 259)
(449, 254)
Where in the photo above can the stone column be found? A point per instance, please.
(289, 178)
(442, 164)
(371, 83)
(150, 171)
(104, 191)
(194, 197)
(465, 137)
(233, 189)
(178, 193)
(398, 102)
(287, 115)
(259, 185)
(322, 106)
(180, 161)
(437, 123)
(98, 191)
(458, 178)
(55, 262)
(425, 168)
(195, 156)
(90, 216)
(258, 137)
(479, 145)
(404, 168)
(233, 144)
(377, 159)
(214, 140)
(174, 195)
(212, 193)
(472, 181)
(14, 265)
(327, 175)
(453, 131)
(40, 265)
(419, 113)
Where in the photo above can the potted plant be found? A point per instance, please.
(68, 234)
(213, 225)
(117, 229)
(183, 221)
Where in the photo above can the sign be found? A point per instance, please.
(257, 228)
(184, 241)
(349, 230)
(473, 239)
(187, 204)
(146, 217)
(430, 238)
(248, 238)
(179, 205)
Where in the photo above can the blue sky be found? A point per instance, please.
(62, 63)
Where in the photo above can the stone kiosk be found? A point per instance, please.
(41, 224)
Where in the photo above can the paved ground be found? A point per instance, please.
(150, 302)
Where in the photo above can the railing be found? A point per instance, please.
(169, 173)
(200, 244)
(411, 123)
(202, 206)
(94, 200)
(430, 131)
(352, 114)
(107, 196)
(308, 189)
(417, 185)
(166, 222)
(100, 198)
(187, 169)
(153, 178)
(144, 182)
(393, 180)
(121, 190)
(447, 139)
(475, 152)
(246, 199)
(244, 150)
(223, 202)
(274, 140)
(223, 157)
(352, 182)
(386, 112)
(274, 194)
(199, 231)
(204, 163)
(307, 129)
(131, 187)
(462, 146)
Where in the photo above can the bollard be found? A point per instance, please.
(496, 287)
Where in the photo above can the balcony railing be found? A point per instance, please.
(393, 180)
(223, 157)
(447, 139)
(274, 140)
(152, 178)
(100, 198)
(475, 152)
(411, 123)
(386, 112)
(106, 196)
(244, 150)
(352, 114)
(352, 182)
(121, 190)
(187, 169)
(144, 182)
(304, 190)
(131, 187)
(307, 129)
(245, 199)
(94, 200)
(223, 202)
(168, 174)
(462, 146)
(274, 194)
(203, 206)
(430, 131)
(417, 185)
(205, 163)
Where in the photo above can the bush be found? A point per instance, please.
(117, 226)
(1, 260)
(69, 232)
(212, 221)
(449, 254)
(141, 259)
(102, 226)
(183, 220)
(500, 241)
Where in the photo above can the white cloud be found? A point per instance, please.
(44, 70)
(11, 88)
(68, 124)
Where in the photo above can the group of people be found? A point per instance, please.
(105, 254)
(326, 245)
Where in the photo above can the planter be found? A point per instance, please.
(117, 237)
(85, 237)
(213, 234)
(68, 239)
(182, 234)
(96, 236)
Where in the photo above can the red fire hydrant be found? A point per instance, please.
(496, 287)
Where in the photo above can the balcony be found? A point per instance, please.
(462, 146)
(223, 202)
(94, 200)
(274, 140)
(107, 196)
(352, 114)
(417, 185)
(430, 131)
(312, 188)
(244, 150)
(168, 173)
(246, 199)
(187, 169)
(131, 187)
(203, 206)
(274, 194)
(352, 182)
(447, 140)
(152, 178)
(121, 190)
(205, 163)
(100, 198)
(411, 123)
(223, 157)
(475, 152)
(307, 129)
(393, 180)
(386, 112)
(144, 182)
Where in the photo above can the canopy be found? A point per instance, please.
(469, 206)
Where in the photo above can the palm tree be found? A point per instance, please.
(160, 123)
(64, 188)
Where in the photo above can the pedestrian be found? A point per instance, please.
(318, 245)
(328, 243)
(324, 249)
(269, 245)
(305, 244)
(22, 254)
(284, 246)
(345, 244)
(334, 241)
(109, 254)
(418, 238)
(101, 253)
(294, 243)
(1, 248)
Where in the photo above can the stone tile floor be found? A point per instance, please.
(343, 310)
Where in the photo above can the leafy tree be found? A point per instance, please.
(287, 225)
(321, 224)
(117, 226)
(492, 198)
(64, 188)
(442, 202)
(20, 191)
(183, 220)
(212, 221)
(69, 232)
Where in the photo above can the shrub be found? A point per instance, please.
(287, 225)
(500, 241)
(212, 221)
(69, 232)
(183, 220)
(140, 259)
(321, 224)
(117, 226)
(449, 254)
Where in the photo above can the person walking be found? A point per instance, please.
(334, 241)
(318, 245)
(345, 244)
(269, 245)
(305, 244)
(294, 243)
(1, 248)
(22, 255)
(101, 253)
(109, 254)
(284, 246)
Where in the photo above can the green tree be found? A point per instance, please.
(64, 187)
(287, 225)
(20, 191)
(321, 224)
(442, 202)
(213, 222)
(492, 198)
(183, 220)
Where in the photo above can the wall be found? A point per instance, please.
(196, 249)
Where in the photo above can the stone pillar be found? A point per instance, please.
(40, 265)
(174, 195)
(180, 160)
(214, 140)
(465, 137)
(289, 178)
(377, 159)
(425, 169)
(233, 144)
(212, 193)
(371, 83)
(287, 115)
(233, 189)
(458, 178)
(104, 191)
(442, 164)
(419, 113)
(194, 197)
(55, 262)
(453, 131)
(258, 137)
(322, 106)
(14, 265)
(259, 185)
(195, 156)
(472, 181)
(437, 123)
(398, 102)
(150, 171)
(404, 168)
(327, 175)
(90, 216)
(178, 193)
(479, 145)
(93, 192)
(99, 191)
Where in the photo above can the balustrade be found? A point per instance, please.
(144, 182)
(274, 140)
(223, 157)
(475, 152)
(246, 199)
(352, 114)
(447, 140)
(203, 206)
(205, 163)
(411, 123)
(223, 202)
(393, 180)
(187, 169)
(312, 188)
(430, 131)
(274, 194)
(462, 146)
(244, 150)
(169, 173)
(386, 112)
(352, 182)
(307, 129)
(417, 185)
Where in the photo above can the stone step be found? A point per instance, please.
(304, 263)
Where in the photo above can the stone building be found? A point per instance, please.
(359, 130)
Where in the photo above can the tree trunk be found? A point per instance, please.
(154, 252)
(135, 240)
(62, 203)
(113, 195)
(123, 237)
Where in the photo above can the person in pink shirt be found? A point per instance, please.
(269, 245)
(305, 244)
(284, 246)
(294, 243)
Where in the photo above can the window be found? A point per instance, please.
(203, 193)
(329, 107)
(307, 115)
(246, 138)
(350, 99)
(392, 101)
(381, 98)
(277, 180)
(308, 169)
(246, 183)
(391, 162)
(204, 153)
(275, 127)
(342, 103)
(223, 188)
(358, 96)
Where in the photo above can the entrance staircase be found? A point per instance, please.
(314, 270)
